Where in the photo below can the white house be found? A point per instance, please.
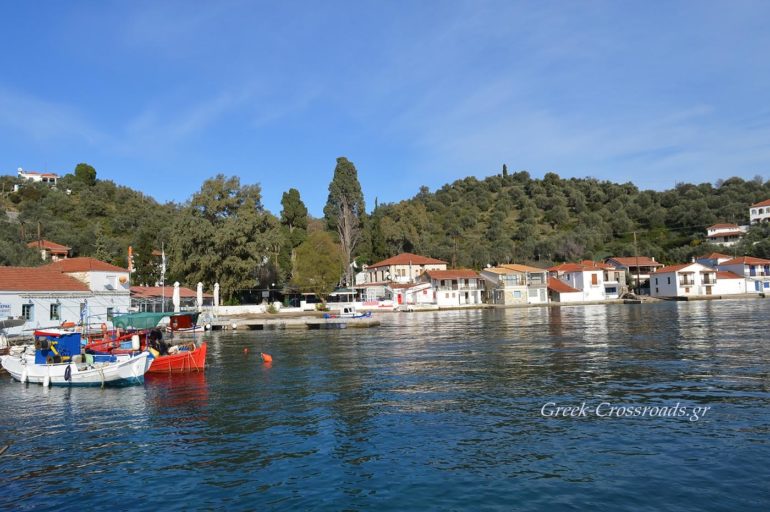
(756, 271)
(516, 284)
(50, 250)
(729, 283)
(588, 279)
(760, 212)
(402, 268)
(614, 278)
(686, 280)
(559, 291)
(459, 287)
(725, 234)
(48, 178)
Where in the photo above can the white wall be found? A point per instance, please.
(664, 285)
(729, 286)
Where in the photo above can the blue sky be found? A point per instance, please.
(161, 95)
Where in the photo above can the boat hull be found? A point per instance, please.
(184, 361)
(126, 371)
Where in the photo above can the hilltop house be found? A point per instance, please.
(461, 287)
(48, 178)
(725, 234)
(759, 212)
(589, 280)
(73, 290)
(515, 284)
(688, 279)
(638, 267)
(756, 272)
(50, 250)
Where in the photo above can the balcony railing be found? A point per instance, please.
(686, 282)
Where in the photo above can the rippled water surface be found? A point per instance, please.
(434, 411)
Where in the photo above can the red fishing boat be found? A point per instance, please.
(183, 358)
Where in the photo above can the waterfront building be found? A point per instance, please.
(589, 280)
(760, 212)
(402, 268)
(460, 287)
(515, 284)
(725, 234)
(79, 290)
(639, 268)
(50, 250)
(756, 272)
(685, 280)
(614, 278)
(729, 283)
(559, 291)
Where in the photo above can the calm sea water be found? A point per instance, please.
(439, 411)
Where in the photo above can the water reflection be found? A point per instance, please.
(435, 409)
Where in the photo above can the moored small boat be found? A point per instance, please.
(56, 361)
(183, 358)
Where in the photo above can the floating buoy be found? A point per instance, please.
(266, 358)
(235, 326)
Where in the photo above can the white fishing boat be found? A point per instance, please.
(56, 361)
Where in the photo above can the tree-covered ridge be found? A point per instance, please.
(515, 218)
(223, 233)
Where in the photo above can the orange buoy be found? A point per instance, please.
(266, 358)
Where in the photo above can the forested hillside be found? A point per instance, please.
(515, 218)
(224, 234)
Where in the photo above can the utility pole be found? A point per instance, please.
(636, 255)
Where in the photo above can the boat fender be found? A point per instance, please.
(135, 342)
(46, 381)
(24, 375)
(68, 373)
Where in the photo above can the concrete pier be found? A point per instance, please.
(244, 324)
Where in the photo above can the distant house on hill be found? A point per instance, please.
(725, 234)
(48, 178)
(760, 212)
(50, 250)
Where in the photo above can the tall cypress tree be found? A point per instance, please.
(345, 210)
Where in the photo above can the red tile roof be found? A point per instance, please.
(727, 275)
(631, 261)
(746, 260)
(766, 202)
(38, 279)
(406, 258)
(84, 265)
(570, 267)
(460, 273)
(714, 256)
(597, 264)
(49, 174)
(723, 226)
(677, 268)
(148, 292)
(47, 244)
(559, 286)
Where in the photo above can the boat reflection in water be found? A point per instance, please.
(177, 392)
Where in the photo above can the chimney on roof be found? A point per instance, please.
(653, 258)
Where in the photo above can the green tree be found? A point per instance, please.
(223, 235)
(85, 174)
(319, 265)
(345, 210)
(146, 269)
(294, 224)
